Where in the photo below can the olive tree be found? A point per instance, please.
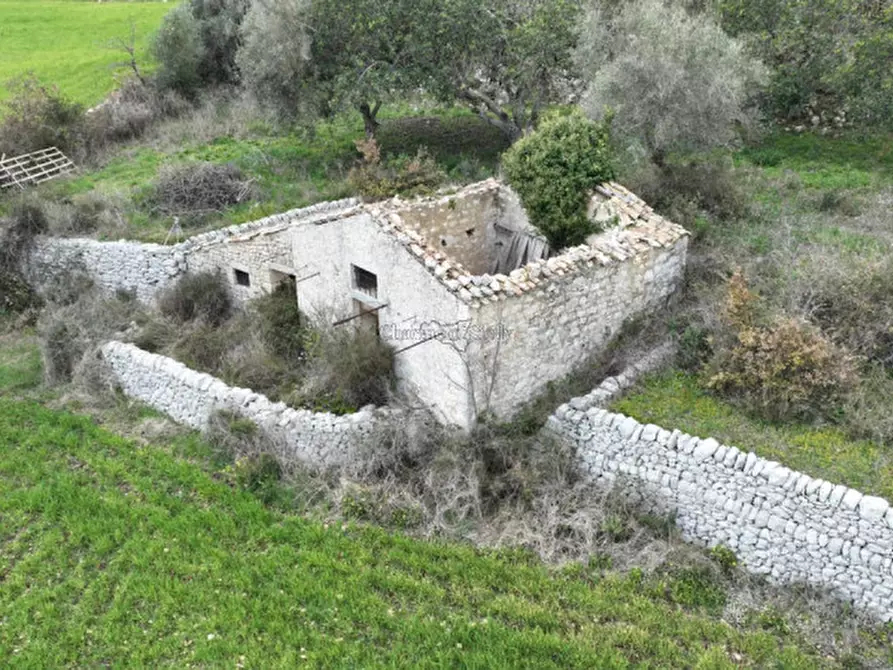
(506, 59)
(197, 42)
(674, 80)
(338, 54)
(515, 58)
(275, 59)
(178, 50)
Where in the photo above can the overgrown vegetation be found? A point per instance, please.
(202, 296)
(825, 57)
(36, 116)
(374, 178)
(804, 379)
(176, 502)
(554, 169)
(780, 370)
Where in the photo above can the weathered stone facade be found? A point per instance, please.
(468, 341)
(319, 439)
(780, 523)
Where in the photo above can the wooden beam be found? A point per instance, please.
(357, 316)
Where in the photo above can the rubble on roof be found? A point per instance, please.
(637, 230)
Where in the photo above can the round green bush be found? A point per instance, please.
(554, 170)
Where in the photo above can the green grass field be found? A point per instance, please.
(135, 555)
(66, 43)
(291, 168)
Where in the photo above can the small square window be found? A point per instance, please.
(365, 281)
(242, 278)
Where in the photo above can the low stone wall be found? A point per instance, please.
(780, 523)
(190, 398)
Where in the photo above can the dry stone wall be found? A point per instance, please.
(783, 524)
(146, 269)
(318, 439)
(143, 269)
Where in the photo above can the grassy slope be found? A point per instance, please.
(674, 399)
(65, 43)
(289, 170)
(794, 173)
(112, 552)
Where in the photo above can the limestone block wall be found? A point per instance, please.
(145, 269)
(572, 313)
(412, 302)
(189, 398)
(780, 523)
(459, 225)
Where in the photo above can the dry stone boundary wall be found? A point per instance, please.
(318, 439)
(146, 269)
(780, 523)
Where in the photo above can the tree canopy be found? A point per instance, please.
(675, 81)
(506, 60)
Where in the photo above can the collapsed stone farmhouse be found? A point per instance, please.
(459, 284)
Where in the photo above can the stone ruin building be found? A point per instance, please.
(464, 289)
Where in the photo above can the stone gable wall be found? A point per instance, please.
(318, 439)
(461, 225)
(783, 524)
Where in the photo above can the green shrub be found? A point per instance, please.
(36, 117)
(348, 368)
(203, 296)
(281, 324)
(554, 171)
(725, 558)
(693, 348)
(786, 369)
(404, 175)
